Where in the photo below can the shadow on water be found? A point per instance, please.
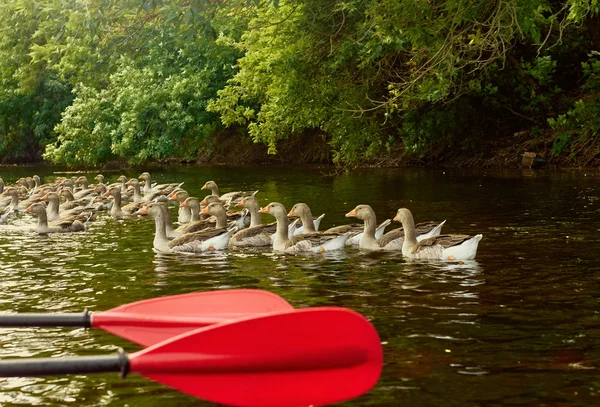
(517, 327)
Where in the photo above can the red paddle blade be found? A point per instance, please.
(306, 357)
(154, 320)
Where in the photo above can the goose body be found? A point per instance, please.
(356, 231)
(313, 242)
(118, 212)
(213, 239)
(442, 247)
(184, 213)
(257, 234)
(229, 197)
(309, 223)
(394, 239)
(58, 226)
(157, 190)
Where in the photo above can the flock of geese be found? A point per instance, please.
(211, 223)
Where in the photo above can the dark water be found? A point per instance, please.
(518, 327)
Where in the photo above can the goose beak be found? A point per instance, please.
(28, 209)
(264, 210)
(204, 211)
(107, 193)
(204, 187)
(291, 212)
(203, 202)
(184, 204)
(240, 203)
(143, 211)
(396, 218)
(44, 197)
(351, 213)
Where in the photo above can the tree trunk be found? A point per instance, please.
(593, 24)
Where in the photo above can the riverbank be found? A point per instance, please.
(506, 152)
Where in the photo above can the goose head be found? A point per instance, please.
(189, 202)
(153, 209)
(122, 178)
(299, 210)
(275, 209)
(99, 178)
(37, 207)
(209, 199)
(215, 209)
(403, 215)
(145, 176)
(179, 195)
(249, 202)
(114, 191)
(361, 212)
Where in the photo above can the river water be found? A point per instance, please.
(520, 326)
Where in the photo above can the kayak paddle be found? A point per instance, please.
(312, 356)
(151, 321)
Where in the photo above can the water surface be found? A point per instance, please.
(520, 326)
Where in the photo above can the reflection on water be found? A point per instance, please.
(517, 327)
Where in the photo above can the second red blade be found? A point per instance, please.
(142, 322)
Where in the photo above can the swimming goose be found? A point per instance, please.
(392, 240)
(184, 213)
(118, 212)
(443, 247)
(58, 226)
(210, 239)
(315, 242)
(309, 224)
(230, 197)
(52, 210)
(85, 190)
(356, 231)
(257, 234)
(71, 202)
(163, 189)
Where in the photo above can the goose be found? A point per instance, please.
(15, 203)
(257, 234)
(137, 192)
(85, 189)
(230, 197)
(219, 221)
(184, 214)
(52, 210)
(309, 224)
(58, 226)
(356, 231)
(71, 202)
(442, 247)
(164, 189)
(212, 239)
(1, 185)
(119, 212)
(392, 240)
(312, 242)
(237, 216)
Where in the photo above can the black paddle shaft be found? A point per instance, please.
(83, 320)
(59, 366)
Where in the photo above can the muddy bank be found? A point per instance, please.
(506, 152)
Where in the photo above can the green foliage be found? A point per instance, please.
(157, 79)
(579, 127)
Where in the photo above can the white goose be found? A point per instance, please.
(392, 240)
(314, 242)
(443, 247)
(309, 223)
(209, 239)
